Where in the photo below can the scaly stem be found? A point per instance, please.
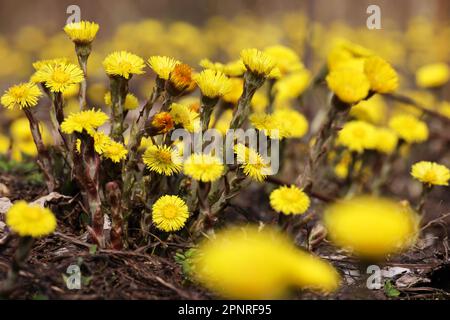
(119, 90)
(426, 189)
(113, 194)
(83, 51)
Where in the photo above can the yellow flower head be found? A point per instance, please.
(22, 95)
(258, 62)
(224, 121)
(101, 141)
(431, 173)
(295, 124)
(372, 110)
(213, 84)
(162, 122)
(30, 220)
(88, 120)
(286, 59)
(124, 64)
(203, 167)
(182, 115)
(82, 32)
(383, 78)
(386, 140)
(115, 151)
(409, 128)
(237, 87)
(41, 63)
(4, 144)
(444, 109)
(248, 263)
(270, 125)
(162, 65)
(371, 227)
(131, 102)
(232, 69)
(357, 136)
(169, 213)
(252, 163)
(162, 159)
(291, 86)
(289, 200)
(349, 85)
(59, 77)
(181, 79)
(433, 75)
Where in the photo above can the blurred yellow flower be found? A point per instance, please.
(237, 87)
(270, 125)
(409, 128)
(295, 123)
(431, 173)
(291, 86)
(372, 110)
(371, 227)
(203, 167)
(433, 75)
(162, 159)
(82, 32)
(30, 220)
(182, 115)
(289, 200)
(169, 213)
(115, 151)
(232, 69)
(131, 102)
(357, 136)
(349, 85)
(248, 263)
(23, 95)
(58, 77)
(224, 121)
(84, 120)
(386, 140)
(286, 59)
(124, 64)
(162, 65)
(258, 62)
(4, 144)
(382, 77)
(213, 84)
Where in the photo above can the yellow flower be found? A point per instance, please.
(372, 110)
(295, 124)
(131, 102)
(40, 63)
(213, 84)
(232, 69)
(30, 220)
(71, 91)
(291, 86)
(371, 227)
(184, 116)
(124, 64)
(431, 173)
(382, 77)
(162, 122)
(162, 65)
(22, 95)
(101, 141)
(444, 109)
(223, 123)
(169, 213)
(59, 77)
(115, 151)
(289, 200)
(385, 140)
(82, 32)
(162, 159)
(252, 163)
(258, 62)
(409, 128)
(348, 85)
(357, 136)
(270, 125)
(181, 79)
(204, 167)
(433, 75)
(259, 102)
(237, 87)
(4, 144)
(286, 59)
(84, 120)
(248, 263)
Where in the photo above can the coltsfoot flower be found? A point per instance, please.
(386, 140)
(269, 124)
(252, 163)
(248, 263)
(162, 122)
(232, 69)
(30, 220)
(131, 102)
(204, 167)
(294, 123)
(58, 77)
(382, 77)
(371, 227)
(162, 65)
(291, 86)
(182, 115)
(180, 80)
(162, 159)
(286, 59)
(82, 32)
(431, 173)
(372, 110)
(170, 213)
(349, 85)
(115, 151)
(237, 87)
(23, 95)
(289, 200)
(258, 62)
(124, 64)
(433, 75)
(213, 84)
(409, 128)
(357, 136)
(88, 120)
